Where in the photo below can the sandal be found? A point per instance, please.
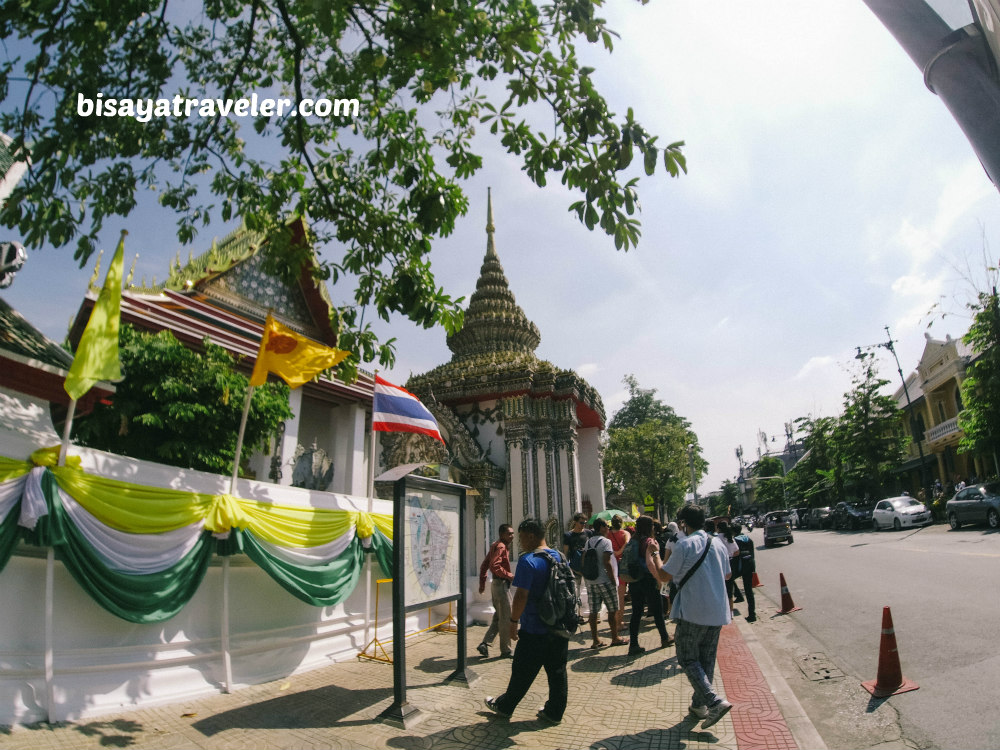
(598, 645)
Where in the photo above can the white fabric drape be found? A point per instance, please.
(318, 555)
(137, 554)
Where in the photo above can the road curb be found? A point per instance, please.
(799, 723)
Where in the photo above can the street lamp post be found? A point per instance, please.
(741, 481)
(909, 405)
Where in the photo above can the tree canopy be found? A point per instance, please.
(869, 438)
(980, 417)
(647, 451)
(181, 407)
(377, 187)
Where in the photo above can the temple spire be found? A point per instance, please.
(493, 321)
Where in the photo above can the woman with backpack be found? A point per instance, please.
(645, 589)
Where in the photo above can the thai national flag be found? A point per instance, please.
(397, 410)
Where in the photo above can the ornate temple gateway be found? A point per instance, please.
(522, 432)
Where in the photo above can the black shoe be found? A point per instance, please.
(544, 717)
(483, 650)
(751, 618)
(491, 704)
(635, 650)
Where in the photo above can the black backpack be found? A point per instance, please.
(559, 599)
(591, 563)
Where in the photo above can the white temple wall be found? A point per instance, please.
(316, 424)
(350, 473)
(591, 472)
(291, 438)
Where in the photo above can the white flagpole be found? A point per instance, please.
(50, 565)
(227, 661)
(371, 495)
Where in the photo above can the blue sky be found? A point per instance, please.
(829, 194)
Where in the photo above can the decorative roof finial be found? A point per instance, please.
(131, 272)
(97, 270)
(491, 250)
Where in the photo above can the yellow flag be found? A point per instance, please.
(291, 356)
(97, 353)
(635, 511)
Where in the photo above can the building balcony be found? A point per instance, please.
(945, 429)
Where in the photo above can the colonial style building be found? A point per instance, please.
(523, 433)
(936, 400)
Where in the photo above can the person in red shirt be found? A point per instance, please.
(497, 562)
(619, 538)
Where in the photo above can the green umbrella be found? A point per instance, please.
(608, 514)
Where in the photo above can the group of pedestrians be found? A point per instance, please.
(691, 564)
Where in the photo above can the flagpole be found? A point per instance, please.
(227, 660)
(371, 495)
(50, 560)
(70, 412)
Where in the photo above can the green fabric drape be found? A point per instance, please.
(149, 598)
(136, 598)
(10, 532)
(320, 585)
(382, 549)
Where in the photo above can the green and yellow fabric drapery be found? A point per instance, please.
(141, 552)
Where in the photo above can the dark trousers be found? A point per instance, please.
(645, 593)
(748, 592)
(534, 651)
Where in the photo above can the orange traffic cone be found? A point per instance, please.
(787, 605)
(890, 680)
(756, 580)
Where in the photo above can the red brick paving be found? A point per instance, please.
(757, 721)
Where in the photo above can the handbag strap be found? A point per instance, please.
(696, 565)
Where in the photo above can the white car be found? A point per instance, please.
(900, 513)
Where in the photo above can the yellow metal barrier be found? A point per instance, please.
(447, 625)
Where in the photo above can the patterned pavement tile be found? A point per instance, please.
(616, 702)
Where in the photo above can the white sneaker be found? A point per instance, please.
(715, 713)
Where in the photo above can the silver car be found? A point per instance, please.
(900, 513)
(975, 504)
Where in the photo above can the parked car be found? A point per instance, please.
(977, 504)
(777, 528)
(799, 517)
(818, 518)
(900, 512)
(851, 516)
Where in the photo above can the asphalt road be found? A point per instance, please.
(942, 588)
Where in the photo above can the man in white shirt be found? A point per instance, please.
(604, 588)
(700, 609)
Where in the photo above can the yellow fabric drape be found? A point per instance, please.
(12, 469)
(140, 509)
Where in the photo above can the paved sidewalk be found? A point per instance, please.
(615, 703)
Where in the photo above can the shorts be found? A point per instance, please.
(602, 592)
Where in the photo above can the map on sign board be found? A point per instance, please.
(431, 525)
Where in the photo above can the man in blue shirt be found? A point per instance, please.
(700, 608)
(536, 646)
